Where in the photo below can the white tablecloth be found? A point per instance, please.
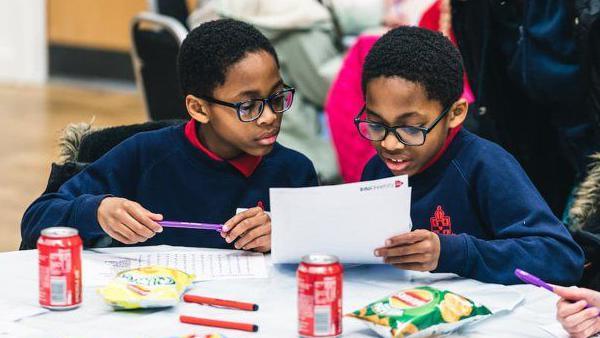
(534, 316)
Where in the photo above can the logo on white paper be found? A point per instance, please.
(395, 184)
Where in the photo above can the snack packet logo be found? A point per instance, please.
(147, 280)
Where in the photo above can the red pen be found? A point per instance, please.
(218, 323)
(261, 205)
(220, 302)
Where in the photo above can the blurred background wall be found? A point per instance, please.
(23, 41)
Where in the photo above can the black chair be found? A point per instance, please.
(174, 8)
(156, 40)
(82, 145)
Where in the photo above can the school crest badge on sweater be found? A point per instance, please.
(440, 222)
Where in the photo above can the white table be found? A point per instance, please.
(276, 296)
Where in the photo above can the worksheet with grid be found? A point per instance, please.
(205, 265)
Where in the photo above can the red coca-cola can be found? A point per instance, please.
(320, 279)
(60, 268)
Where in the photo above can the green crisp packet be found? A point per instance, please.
(420, 312)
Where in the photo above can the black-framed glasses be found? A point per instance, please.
(408, 135)
(250, 110)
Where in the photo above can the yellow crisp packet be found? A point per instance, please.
(147, 287)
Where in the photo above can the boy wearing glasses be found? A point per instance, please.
(475, 211)
(226, 157)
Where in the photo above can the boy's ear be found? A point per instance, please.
(196, 108)
(458, 113)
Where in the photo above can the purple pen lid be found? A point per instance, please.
(533, 280)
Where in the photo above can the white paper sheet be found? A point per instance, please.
(16, 330)
(348, 220)
(205, 264)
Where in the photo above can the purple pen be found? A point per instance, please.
(534, 280)
(188, 225)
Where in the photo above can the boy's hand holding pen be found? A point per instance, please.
(577, 309)
(127, 221)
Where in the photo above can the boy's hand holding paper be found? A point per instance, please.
(417, 250)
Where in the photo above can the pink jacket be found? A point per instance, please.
(344, 101)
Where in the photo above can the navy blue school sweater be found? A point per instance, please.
(489, 217)
(167, 174)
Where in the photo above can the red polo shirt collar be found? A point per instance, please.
(245, 163)
(451, 135)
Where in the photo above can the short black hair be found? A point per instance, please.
(211, 48)
(421, 56)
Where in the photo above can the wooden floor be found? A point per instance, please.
(31, 119)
